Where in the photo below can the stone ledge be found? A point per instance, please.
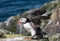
(20, 39)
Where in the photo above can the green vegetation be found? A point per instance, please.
(13, 25)
(12, 35)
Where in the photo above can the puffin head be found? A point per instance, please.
(23, 20)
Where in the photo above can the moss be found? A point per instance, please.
(51, 5)
(12, 35)
(13, 27)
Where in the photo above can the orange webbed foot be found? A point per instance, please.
(27, 38)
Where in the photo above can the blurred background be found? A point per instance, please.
(13, 7)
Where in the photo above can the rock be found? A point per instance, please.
(53, 25)
(42, 13)
(4, 31)
(55, 37)
(2, 25)
(9, 21)
(20, 38)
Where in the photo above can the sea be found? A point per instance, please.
(10, 8)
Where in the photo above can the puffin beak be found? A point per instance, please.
(19, 22)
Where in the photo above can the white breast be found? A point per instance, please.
(28, 27)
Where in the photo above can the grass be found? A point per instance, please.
(12, 35)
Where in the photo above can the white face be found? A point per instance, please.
(23, 20)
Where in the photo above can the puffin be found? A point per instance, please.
(27, 26)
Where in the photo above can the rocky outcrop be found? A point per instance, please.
(55, 37)
(2, 25)
(21, 39)
(53, 25)
(9, 24)
(43, 14)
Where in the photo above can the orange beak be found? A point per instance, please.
(19, 22)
